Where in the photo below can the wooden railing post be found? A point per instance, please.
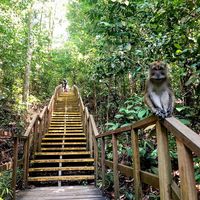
(40, 133)
(26, 161)
(87, 134)
(115, 167)
(186, 170)
(103, 161)
(95, 142)
(35, 137)
(136, 165)
(46, 121)
(90, 138)
(15, 159)
(164, 163)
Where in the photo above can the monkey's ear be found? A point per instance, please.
(151, 65)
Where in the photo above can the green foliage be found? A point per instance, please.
(5, 183)
(120, 39)
(132, 111)
(197, 169)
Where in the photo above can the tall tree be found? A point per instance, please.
(29, 55)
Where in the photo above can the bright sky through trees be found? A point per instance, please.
(61, 23)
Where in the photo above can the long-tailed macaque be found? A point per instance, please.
(158, 94)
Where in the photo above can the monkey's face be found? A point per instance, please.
(158, 71)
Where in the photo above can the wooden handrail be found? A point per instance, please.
(137, 125)
(32, 123)
(187, 142)
(41, 116)
(187, 136)
(32, 137)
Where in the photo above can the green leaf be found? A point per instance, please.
(179, 109)
(178, 46)
(141, 114)
(185, 121)
(128, 47)
(119, 116)
(178, 51)
(191, 80)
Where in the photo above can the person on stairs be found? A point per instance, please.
(65, 85)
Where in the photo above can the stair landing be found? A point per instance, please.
(60, 193)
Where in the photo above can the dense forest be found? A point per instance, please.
(107, 52)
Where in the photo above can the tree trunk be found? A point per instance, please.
(28, 59)
(95, 99)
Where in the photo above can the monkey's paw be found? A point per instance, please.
(168, 113)
(160, 113)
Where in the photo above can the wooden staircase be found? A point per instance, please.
(63, 157)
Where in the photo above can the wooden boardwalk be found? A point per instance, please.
(59, 193)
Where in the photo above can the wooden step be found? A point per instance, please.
(61, 178)
(66, 125)
(63, 143)
(62, 153)
(65, 115)
(66, 134)
(64, 149)
(62, 120)
(41, 169)
(77, 160)
(67, 122)
(64, 138)
(67, 131)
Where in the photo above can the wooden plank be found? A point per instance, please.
(150, 179)
(96, 155)
(115, 167)
(90, 136)
(94, 127)
(89, 197)
(40, 133)
(64, 149)
(61, 178)
(63, 143)
(146, 177)
(28, 130)
(136, 165)
(63, 160)
(164, 163)
(62, 153)
(137, 125)
(103, 162)
(26, 161)
(15, 159)
(186, 170)
(35, 136)
(184, 134)
(66, 138)
(42, 114)
(42, 169)
(60, 191)
(176, 195)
